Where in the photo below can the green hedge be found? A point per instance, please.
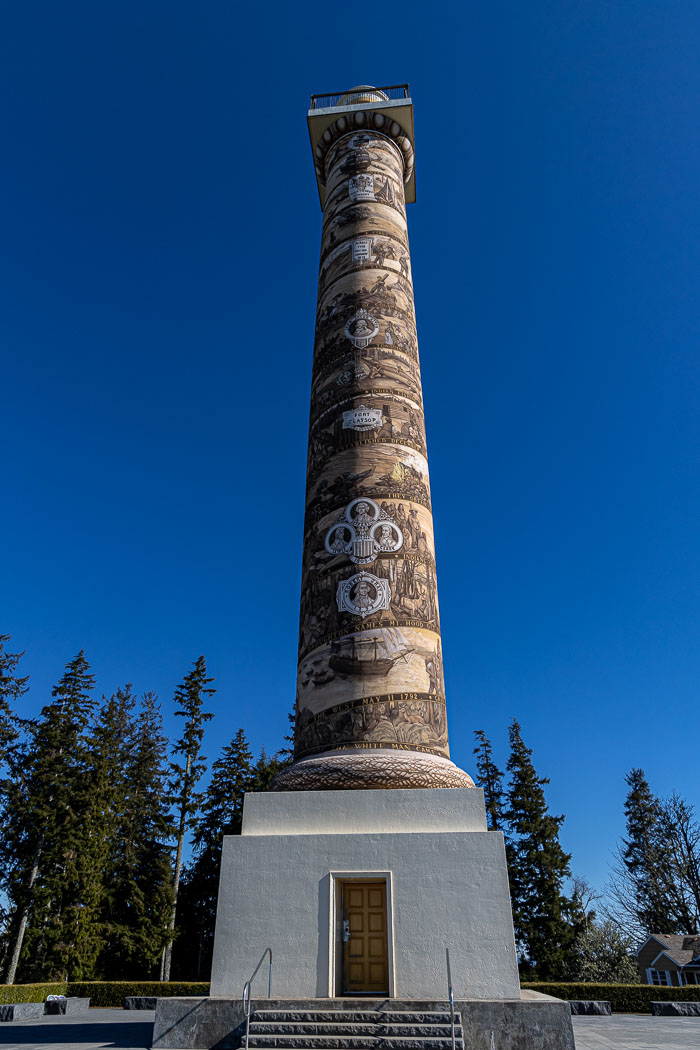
(112, 993)
(100, 993)
(623, 998)
(30, 993)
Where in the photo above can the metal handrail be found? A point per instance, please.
(246, 991)
(451, 993)
(394, 93)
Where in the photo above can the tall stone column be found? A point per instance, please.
(357, 894)
(370, 690)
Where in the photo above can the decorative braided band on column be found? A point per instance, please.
(385, 770)
(364, 121)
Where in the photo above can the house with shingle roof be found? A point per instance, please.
(670, 959)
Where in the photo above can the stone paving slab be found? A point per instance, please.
(636, 1032)
(98, 1028)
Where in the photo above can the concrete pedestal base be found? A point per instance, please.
(509, 1024)
(446, 882)
(446, 887)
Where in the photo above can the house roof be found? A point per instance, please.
(679, 947)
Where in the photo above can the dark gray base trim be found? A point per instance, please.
(517, 1024)
(509, 1024)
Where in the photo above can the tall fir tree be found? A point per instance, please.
(537, 866)
(12, 688)
(221, 814)
(641, 883)
(46, 879)
(107, 789)
(266, 769)
(137, 899)
(490, 778)
(185, 776)
(286, 752)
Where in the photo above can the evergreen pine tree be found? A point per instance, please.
(641, 882)
(537, 865)
(185, 776)
(42, 835)
(266, 769)
(137, 898)
(107, 787)
(12, 688)
(490, 778)
(221, 814)
(286, 753)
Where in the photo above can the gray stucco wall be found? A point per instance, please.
(357, 812)
(447, 889)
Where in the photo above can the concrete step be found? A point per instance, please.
(349, 1042)
(373, 1027)
(355, 1016)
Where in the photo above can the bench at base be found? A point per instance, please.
(599, 1007)
(676, 1009)
(21, 1011)
(72, 1005)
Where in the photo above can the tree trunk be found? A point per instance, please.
(23, 916)
(168, 950)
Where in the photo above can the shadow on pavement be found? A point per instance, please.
(107, 1033)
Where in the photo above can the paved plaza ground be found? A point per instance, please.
(131, 1030)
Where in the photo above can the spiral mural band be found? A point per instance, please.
(370, 678)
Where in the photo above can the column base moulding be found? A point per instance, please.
(380, 769)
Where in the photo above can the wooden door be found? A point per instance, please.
(366, 953)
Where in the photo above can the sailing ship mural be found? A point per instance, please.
(369, 653)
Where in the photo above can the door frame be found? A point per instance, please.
(335, 944)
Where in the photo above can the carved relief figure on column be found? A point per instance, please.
(370, 690)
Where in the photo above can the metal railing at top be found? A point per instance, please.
(451, 993)
(246, 991)
(354, 96)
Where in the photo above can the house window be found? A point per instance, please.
(659, 977)
(691, 977)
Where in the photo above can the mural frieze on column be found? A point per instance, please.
(370, 676)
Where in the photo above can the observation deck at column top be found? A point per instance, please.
(393, 102)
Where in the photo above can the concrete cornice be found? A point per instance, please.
(393, 120)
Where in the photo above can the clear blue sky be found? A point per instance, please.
(160, 233)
